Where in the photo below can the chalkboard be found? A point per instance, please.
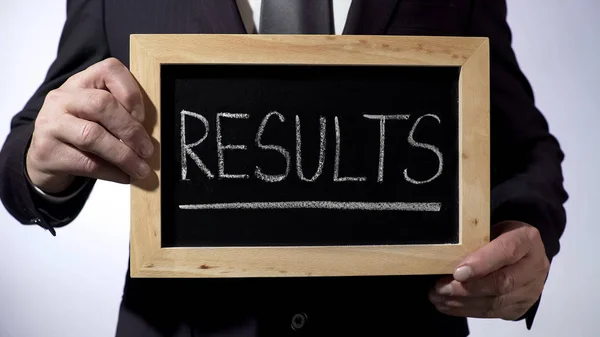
(286, 164)
(266, 155)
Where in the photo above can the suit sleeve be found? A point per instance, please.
(526, 177)
(82, 43)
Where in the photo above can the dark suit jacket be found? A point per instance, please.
(526, 171)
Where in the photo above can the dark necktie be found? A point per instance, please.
(296, 17)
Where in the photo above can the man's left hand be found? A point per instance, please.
(503, 279)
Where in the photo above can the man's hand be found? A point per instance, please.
(501, 280)
(90, 126)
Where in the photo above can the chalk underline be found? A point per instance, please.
(362, 206)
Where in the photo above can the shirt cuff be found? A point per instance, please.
(76, 187)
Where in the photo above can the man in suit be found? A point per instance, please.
(84, 124)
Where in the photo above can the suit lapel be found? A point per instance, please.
(223, 16)
(369, 17)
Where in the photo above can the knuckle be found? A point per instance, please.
(53, 96)
(545, 263)
(89, 134)
(124, 157)
(497, 303)
(99, 100)
(517, 312)
(131, 98)
(47, 125)
(112, 62)
(131, 131)
(42, 122)
(510, 249)
(88, 165)
(504, 282)
(53, 126)
(75, 78)
(41, 149)
(533, 234)
(490, 313)
(111, 65)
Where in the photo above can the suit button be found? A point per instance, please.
(298, 321)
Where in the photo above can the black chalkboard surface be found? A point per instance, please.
(309, 155)
(265, 155)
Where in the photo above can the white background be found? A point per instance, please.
(71, 285)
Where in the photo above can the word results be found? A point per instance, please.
(191, 147)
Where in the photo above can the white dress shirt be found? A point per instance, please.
(250, 12)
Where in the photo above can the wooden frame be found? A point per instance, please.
(471, 54)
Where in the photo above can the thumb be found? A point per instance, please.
(506, 249)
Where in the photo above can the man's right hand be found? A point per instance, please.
(91, 127)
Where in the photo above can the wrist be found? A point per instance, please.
(75, 185)
(47, 183)
(50, 184)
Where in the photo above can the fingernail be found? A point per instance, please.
(138, 112)
(437, 298)
(147, 148)
(445, 290)
(143, 169)
(463, 273)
